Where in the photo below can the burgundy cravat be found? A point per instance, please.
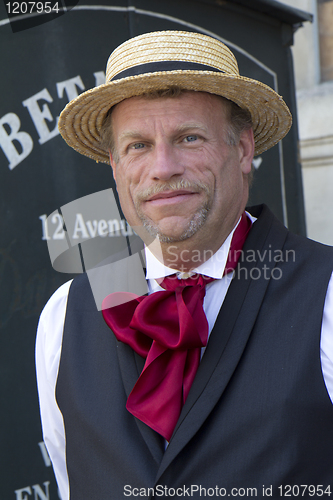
(168, 328)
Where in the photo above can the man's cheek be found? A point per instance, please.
(122, 188)
(128, 207)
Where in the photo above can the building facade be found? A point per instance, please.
(313, 62)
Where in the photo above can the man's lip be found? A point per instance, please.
(170, 194)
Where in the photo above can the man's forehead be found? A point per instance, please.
(133, 116)
(189, 102)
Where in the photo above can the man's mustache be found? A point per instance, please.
(193, 186)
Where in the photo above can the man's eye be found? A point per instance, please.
(191, 138)
(138, 145)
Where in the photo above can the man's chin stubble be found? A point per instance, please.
(194, 225)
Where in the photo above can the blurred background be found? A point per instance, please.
(313, 64)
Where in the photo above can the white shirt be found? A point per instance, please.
(49, 342)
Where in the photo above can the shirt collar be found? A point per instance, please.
(213, 267)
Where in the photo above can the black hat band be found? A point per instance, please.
(152, 67)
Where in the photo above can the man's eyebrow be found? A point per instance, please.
(184, 127)
(131, 134)
(192, 126)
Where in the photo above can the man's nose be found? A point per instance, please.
(166, 163)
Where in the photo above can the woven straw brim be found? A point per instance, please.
(81, 120)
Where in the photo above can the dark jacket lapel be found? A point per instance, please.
(131, 365)
(238, 313)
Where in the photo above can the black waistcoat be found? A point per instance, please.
(258, 413)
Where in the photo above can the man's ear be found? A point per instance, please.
(246, 150)
(113, 165)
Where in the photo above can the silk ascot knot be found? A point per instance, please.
(168, 328)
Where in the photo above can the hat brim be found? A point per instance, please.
(80, 122)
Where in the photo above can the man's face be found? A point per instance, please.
(175, 172)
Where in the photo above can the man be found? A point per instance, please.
(146, 404)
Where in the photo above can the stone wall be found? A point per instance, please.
(313, 62)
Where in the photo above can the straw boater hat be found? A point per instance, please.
(162, 59)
